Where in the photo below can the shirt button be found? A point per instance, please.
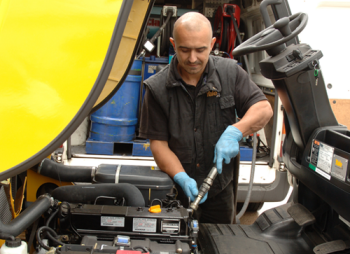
(195, 129)
(197, 165)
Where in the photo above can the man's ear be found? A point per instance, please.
(172, 41)
(213, 40)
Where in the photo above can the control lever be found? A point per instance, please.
(208, 182)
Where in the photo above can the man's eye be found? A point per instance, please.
(200, 50)
(184, 50)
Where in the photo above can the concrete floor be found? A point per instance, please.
(249, 217)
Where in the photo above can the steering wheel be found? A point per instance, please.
(282, 31)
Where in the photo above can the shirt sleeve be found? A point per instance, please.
(247, 93)
(153, 122)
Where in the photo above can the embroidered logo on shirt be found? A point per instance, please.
(211, 94)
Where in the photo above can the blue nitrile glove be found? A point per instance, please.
(227, 147)
(188, 185)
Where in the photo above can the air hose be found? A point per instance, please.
(158, 33)
(252, 171)
(251, 181)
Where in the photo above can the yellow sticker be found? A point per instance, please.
(338, 163)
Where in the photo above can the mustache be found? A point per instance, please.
(196, 62)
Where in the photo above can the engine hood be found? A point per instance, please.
(56, 57)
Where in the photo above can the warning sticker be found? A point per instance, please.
(144, 225)
(339, 167)
(112, 221)
(325, 158)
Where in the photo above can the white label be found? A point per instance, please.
(322, 173)
(144, 225)
(325, 158)
(112, 221)
(152, 68)
(149, 46)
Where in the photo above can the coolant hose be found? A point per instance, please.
(89, 193)
(65, 173)
(251, 181)
(26, 218)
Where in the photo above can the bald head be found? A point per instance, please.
(192, 22)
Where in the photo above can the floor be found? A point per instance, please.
(249, 217)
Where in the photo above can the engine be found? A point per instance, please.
(121, 229)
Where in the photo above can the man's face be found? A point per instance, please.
(193, 49)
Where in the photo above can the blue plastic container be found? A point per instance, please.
(116, 120)
(151, 64)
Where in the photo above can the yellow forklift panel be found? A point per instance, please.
(51, 56)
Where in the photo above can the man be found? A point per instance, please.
(189, 115)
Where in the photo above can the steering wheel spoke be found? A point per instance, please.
(280, 32)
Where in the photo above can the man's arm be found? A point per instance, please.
(166, 160)
(255, 118)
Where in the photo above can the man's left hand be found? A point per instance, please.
(227, 147)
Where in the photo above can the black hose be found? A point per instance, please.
(89, 193)
(165, 43)
(169, 14)
(49, 220)
(52, 238)
(51, 217)
(65, 173)
(26, 218)
(158, 33)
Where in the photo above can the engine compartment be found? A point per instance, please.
(120, 228)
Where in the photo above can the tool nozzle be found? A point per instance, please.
(208, 182)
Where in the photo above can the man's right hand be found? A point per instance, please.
(188, 185)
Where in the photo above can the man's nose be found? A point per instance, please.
(193, 56)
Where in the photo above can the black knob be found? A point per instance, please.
(297, 54)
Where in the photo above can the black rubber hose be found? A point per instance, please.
(65, 173)
(88, 193)
(52, 238)
(156, 35)
(26, 218)
(51, 217)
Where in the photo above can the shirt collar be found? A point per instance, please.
(212, 82)
(174, 76)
